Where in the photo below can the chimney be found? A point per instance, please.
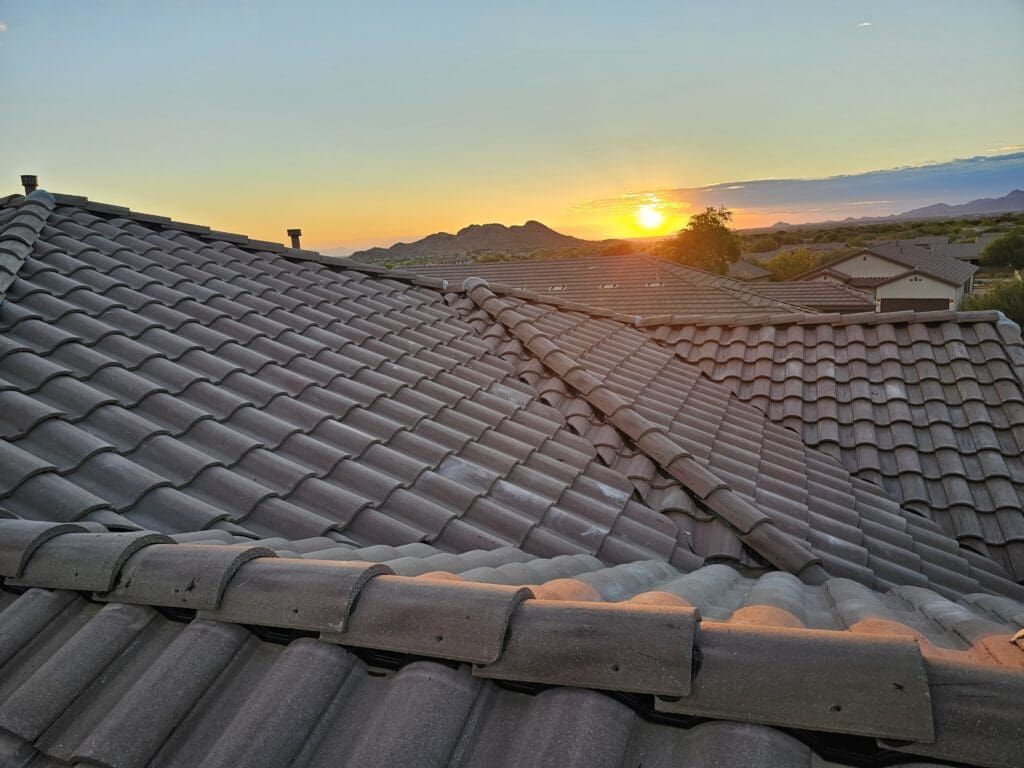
(295, 234)
(30, 182)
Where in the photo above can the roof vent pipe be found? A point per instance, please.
(295, 234)
(30, 182)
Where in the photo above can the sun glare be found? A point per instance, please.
(649, 217)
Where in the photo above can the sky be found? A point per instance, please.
(366, 123)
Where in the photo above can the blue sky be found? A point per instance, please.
(367, 122)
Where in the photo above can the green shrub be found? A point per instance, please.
(1005, 295)
(1007, 251)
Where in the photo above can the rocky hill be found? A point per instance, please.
(472, 241)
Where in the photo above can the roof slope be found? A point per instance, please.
(931, 405)
(634, 284)
(150, 378)
(745, 270)
(288, 489)
(820, 295)
(795, 506)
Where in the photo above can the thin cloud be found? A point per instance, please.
(1011, 148)
(3, 27)
(888, 190)
(865, 24)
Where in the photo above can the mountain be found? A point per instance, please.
(1008, 203)
(474, 240)
(1012, 202)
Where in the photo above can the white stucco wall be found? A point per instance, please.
(868, 265)
(918, 286)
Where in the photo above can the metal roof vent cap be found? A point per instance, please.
(295, 234)
(30, 181)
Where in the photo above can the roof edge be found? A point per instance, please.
(18, 236)
(848, 318)
(655, 648)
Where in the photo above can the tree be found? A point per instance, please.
(707, 243)
(1007, 251)
(790, 263)
(1005, 295)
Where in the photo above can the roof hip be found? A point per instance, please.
(755, 529)
(19, 234)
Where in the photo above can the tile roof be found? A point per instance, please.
(795, 506)
(819, 295)
(934, 262)
(20, 221)
(745, 270)
(279, 482)
(930, 405)
(272, 674)
(635, 284)
(238, 389)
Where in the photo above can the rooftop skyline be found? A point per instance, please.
(368, 124)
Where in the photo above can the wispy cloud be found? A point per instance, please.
(876, 192)
(865, 24)
(1011, 148)
(630, 201)
(3, 27)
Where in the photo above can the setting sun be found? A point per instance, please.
(649, 217)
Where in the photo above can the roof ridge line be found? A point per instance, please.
(18, 236)
(362, 604)
(756, 529)
(831, 318)
(733, 285)
(637, 321)
(661, 648)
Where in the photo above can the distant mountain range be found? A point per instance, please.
(1012, 202)
(479, 239)
(474, 240)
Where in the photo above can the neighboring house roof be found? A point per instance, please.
(934, 263)
(929, 404)
(634, 284)
(273, 509)
(820, 295)
(744, 270)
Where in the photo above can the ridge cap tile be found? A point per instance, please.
(88, 562)
(310, 594)
(617, 646)
(464, 621)
(21, 538)
(192, 576)
(742, 668)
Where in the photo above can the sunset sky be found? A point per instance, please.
(363, 123)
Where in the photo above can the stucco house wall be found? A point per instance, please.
(916, 287)
(868, 265)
